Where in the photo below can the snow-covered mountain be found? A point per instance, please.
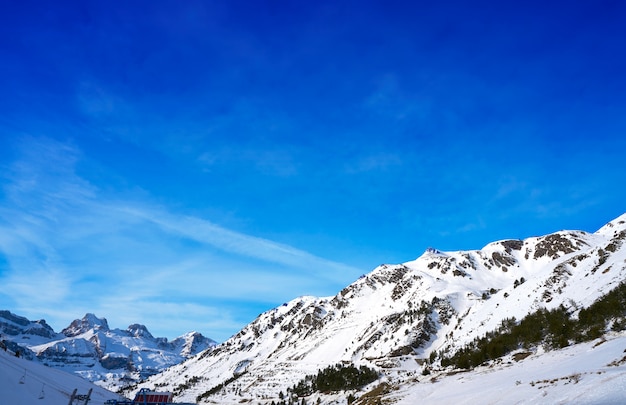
(401, 319)
(89, 348)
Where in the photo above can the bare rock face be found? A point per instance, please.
(138, 330)
(11, 324)
(88, 322)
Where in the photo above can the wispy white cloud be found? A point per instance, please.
(69, 246)
(174, 316)
(208, 233)
(43, 285)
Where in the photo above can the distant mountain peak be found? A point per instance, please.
(88, 347)
(12, 324)
(87, 323)
(138, 330)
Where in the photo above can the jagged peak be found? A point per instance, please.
(195, 336)
(16, 319)
(138, 330)
(88, 322)
(429, 253)
(191, 340)
(432, 251)
(14, 324)
(190, 335)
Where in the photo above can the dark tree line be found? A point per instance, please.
(554, 329)
(335, 378)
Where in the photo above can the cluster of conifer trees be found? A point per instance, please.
(335, 378)
(554, 329)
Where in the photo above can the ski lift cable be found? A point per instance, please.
(44, 380)
(51, 383)
(9, 364)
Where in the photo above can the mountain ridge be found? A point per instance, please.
(89, 348)
(399, 317)
(400, 320)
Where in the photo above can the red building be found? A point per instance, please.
(146, 397)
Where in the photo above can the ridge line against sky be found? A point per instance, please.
(215, 159)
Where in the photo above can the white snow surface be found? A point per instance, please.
(587, 373)
(394, 317)
(42, 385)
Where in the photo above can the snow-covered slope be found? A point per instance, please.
(25, 382)
(587, 373)
(393, 318)
(88, 347)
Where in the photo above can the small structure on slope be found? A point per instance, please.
(147, 397)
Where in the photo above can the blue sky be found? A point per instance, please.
(188, 165)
